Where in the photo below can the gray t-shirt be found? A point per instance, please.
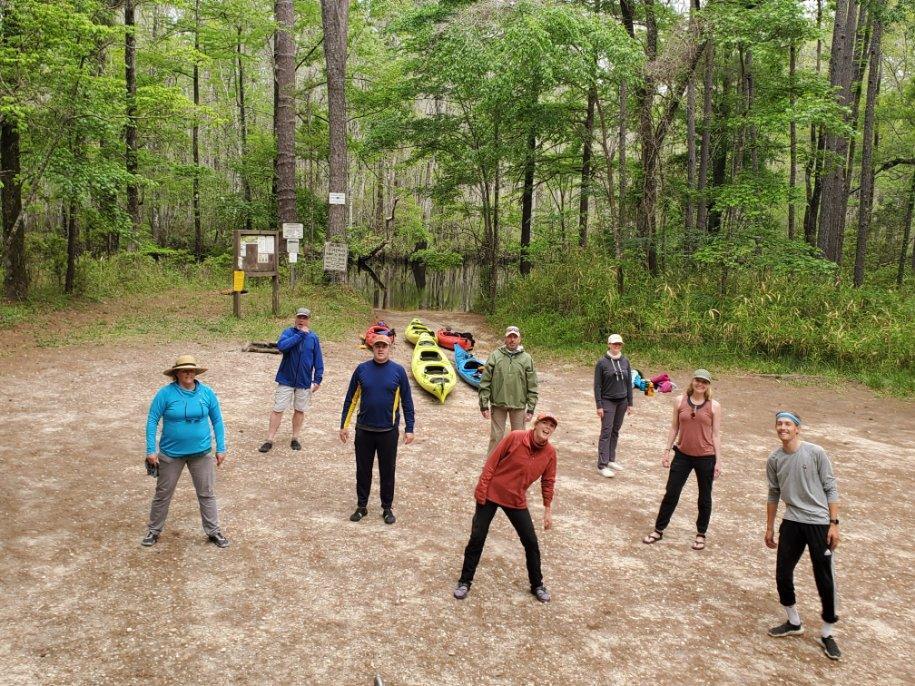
(804, 480)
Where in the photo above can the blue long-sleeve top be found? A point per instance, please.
(379, 391)
(302, 363)
(186, 417)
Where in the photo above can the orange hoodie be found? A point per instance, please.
(512, 467)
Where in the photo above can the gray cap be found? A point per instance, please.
(702, 374)
(513, 331)
(303, 312)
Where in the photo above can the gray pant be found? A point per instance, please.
(497, 417)
(203, 473)
(614, 414)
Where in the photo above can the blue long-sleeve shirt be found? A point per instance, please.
(186, 417)
(302, 363)
(379, 391)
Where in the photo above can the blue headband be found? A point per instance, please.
(788, 415)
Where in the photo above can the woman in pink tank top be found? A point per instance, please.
(697, 424)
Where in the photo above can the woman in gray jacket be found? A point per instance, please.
(613, 395)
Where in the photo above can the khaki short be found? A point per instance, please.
(285, 396)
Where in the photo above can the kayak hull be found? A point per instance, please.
(431, 369)
(415, 328)
(469, 368)
(454, 339)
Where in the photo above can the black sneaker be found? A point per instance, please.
(388, 516)
(220, 540)
(358, 514)
(830, 647)
(150, 538)
(294, 444)
(461, 591)
(786, 629)
(265, 448)
(541, 593)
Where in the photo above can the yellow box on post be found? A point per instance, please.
(238, 281)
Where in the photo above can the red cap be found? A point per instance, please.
(547, 417)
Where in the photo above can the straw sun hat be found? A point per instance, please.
(184, 362)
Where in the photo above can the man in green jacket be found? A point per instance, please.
(508, 389)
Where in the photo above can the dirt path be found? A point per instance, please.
(305, 596)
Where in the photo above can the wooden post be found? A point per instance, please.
(276, 295)
(236, 304)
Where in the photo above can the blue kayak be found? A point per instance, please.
(469, 368)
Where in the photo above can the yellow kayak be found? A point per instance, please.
(431, 369)
(415, 328)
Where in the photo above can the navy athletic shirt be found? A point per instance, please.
(378, 390)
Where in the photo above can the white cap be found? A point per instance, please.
(615, 338)
(513, 331)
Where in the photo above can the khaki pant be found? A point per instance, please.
(497, 419)
(203, 473)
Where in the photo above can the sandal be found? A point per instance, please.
(653, 537)
(699, 543)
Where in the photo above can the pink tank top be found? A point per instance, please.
(696, 429)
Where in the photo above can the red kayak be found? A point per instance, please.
(379, 328)
(448, 338)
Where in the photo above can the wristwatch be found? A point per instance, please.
(834, 521)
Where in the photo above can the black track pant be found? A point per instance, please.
(793, 537)
(367, 444)
(521, 520)
(680, 468)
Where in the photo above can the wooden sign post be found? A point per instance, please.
(256, 254)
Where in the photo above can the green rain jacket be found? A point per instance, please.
(509, 380)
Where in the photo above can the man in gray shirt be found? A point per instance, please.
(800, 474)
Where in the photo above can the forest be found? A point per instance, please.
(735, 176)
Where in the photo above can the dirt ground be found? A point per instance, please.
(304, 596)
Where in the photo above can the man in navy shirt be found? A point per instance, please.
(378, 388)
(300, 374)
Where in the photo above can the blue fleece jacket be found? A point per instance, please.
(302, 363)
(378, 390)
(186, 417)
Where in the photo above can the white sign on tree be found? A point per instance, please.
(293, 231)
(335, 255)
(336, 198)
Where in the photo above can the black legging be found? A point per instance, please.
(680, 468)
(521, 520)
(367, 444)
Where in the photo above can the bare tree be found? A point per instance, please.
(195, 138)
(907, 232)
(284, 115)
(335, 15)
(130, 128)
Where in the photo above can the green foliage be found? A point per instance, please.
(437, 260)
(788, 319)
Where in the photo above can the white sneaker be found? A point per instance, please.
(615, 465)
(606, 471)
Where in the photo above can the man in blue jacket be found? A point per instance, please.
(378, 388)
(299, 375)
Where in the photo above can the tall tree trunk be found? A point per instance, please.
(380, 226)
(841, 74)
(586, 145)
(243, 130)
(623, 132)
(646, 220)
(195, 138)
(335, 15)
(527, 203)
(72, 229)
(587, 138)
(617, 229)
(130, 127)
(719, 159)
(705, 155)
(689, 224)
(814, 156)
(792, 136)
(15, 274)
(284, 116)
(907, 232)
(866, 197)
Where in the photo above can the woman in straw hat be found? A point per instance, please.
(697, 423)
(186, 408)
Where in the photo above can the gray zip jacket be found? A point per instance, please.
(612, 379)
(804, 480)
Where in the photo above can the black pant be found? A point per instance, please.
(521, 520)
(680, 468)
(367, 444)
(793, 537)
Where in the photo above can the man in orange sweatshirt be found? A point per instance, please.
(517, 461)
